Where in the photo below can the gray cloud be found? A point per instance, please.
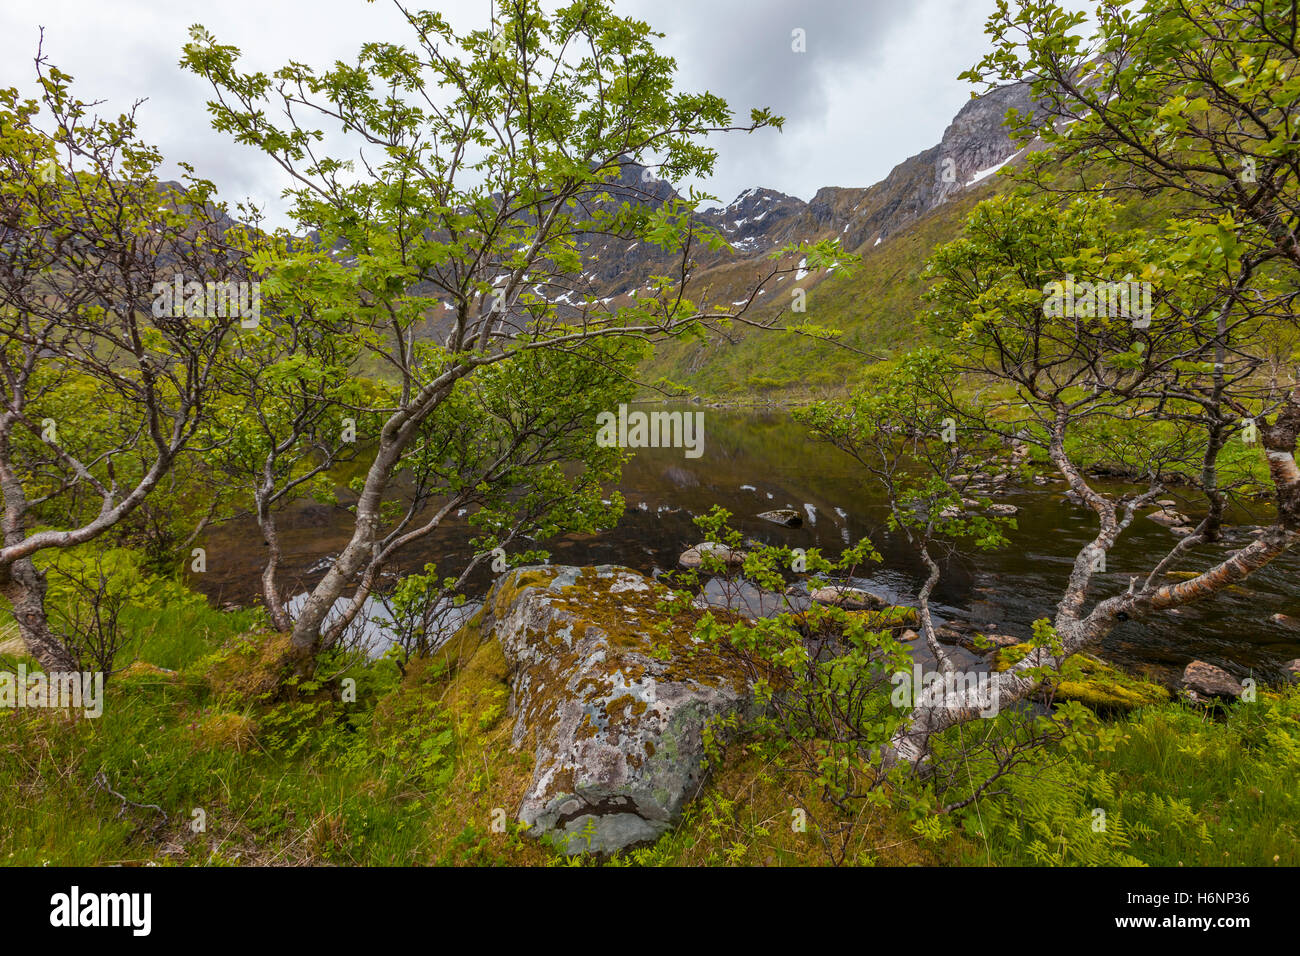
(749, 45)
(876, 84)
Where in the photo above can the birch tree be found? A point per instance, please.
(1193, 102)
(99, 389)
(1186, 385)
(485, 168)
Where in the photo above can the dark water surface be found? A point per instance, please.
(756, 461)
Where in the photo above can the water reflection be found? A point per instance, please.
(758, 461)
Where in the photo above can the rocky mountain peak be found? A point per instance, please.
(976, 143)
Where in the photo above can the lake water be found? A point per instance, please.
(755, 461)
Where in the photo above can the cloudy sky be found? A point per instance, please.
(877, 83)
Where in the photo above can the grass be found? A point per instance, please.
(1238, 772)
(419, 770)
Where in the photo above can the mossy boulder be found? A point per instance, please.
(614, 710)
(1092, 682)
(146, 672)
(250, 668)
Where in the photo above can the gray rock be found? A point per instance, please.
(1206, 682)
(1168, 518)
(616, 732)
(1003, 511)
(977, 140)
(1292, 669)
(694, 557)
(851, 599)
(946, 634)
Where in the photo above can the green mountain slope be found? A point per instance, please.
(877, 309)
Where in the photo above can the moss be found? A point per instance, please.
(1092, 682)
(1099, 695)
(1102, 686)
(145, 672)
(1009, 656)
(142, 677)
(510, 587)
(624, 704)
(226, 730)
(249, 668)
(896, 615)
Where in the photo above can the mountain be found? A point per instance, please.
(892, 225)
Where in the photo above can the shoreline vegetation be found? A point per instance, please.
(204, 758)
(195, 763)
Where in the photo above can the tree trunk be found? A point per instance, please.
(910, 744)
(352, 559)
(270, 585)
(361, 548)
(23, 586)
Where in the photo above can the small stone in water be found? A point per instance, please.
(852, 599)
(694, 557)
(783, 516)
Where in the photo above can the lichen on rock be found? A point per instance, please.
(613, 694)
